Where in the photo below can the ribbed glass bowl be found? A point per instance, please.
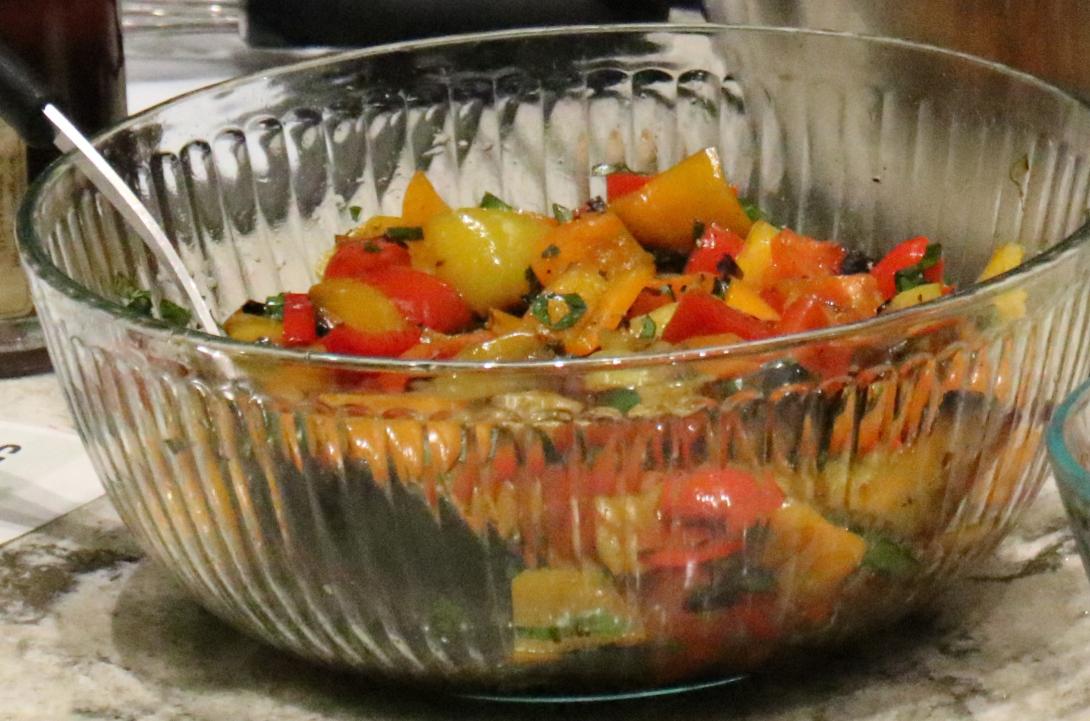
(382, 532)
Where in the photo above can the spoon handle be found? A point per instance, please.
(26, 107)
(22, 99)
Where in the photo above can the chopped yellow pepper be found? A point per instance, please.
(1011, 305)
(915, 296)
(1006, 257)
(756, 256)
(743, 297)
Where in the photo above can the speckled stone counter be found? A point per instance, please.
(89, 629)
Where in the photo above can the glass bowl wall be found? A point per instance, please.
(381, 532)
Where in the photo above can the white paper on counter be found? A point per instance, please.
(44, 474)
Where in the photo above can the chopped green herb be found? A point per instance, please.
(536, 633)
(908, 278)
(698, 229)
(274, 306)
(648, 329)
(753, 211)
(576, 308)
(623, 399)
(355, 211)
(139, 303)
(562, 214)
(405, 232)
(889, 557)
(372, 247)
(138, 300)
(913, 276)
(550, 252)
(931, 256)
(731, 578)
(593, 623)
(173, 313)
(602, 169)
(492, 202)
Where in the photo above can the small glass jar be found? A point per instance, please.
(75, 47)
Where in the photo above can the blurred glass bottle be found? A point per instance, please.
(75, 46)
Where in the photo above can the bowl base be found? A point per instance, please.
(546, 698)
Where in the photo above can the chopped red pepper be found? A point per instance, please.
(699, 313)
(935, 273)
(683, 556)
(300, 324)
(730, 495)
(710, 248)
(356, 258)
(806, 313)
(343, 339)
(623, 183)
(850, 297)
(422, 298)
(904, 255)
(647, 301)
(797, 256)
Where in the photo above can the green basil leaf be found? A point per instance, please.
(931, 256)
(602, 169)
(596, 623)
(138, 300)
(174, 313)
(623, 399)
(753, 211)
(908, 278)
(576, 308)
(889, 557)
(274, 306)
(406, 232)
(562, 214)
(492, 202)
(355, 211)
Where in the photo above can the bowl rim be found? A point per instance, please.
(37, 261)
(1067, 469)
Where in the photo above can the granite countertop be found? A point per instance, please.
(90, 629)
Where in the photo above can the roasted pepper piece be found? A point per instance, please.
(422, 202)
(300, 327)
(702, 314)
(742, 296)
(482, 253)
(661, 213)
(354, 258)
(755, 258)
(812, 555)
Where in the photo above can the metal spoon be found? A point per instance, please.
(26, 106)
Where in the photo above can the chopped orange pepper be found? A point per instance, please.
(422, 201)
(662, 213)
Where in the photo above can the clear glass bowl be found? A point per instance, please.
(1069, 450)
(382, 531)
